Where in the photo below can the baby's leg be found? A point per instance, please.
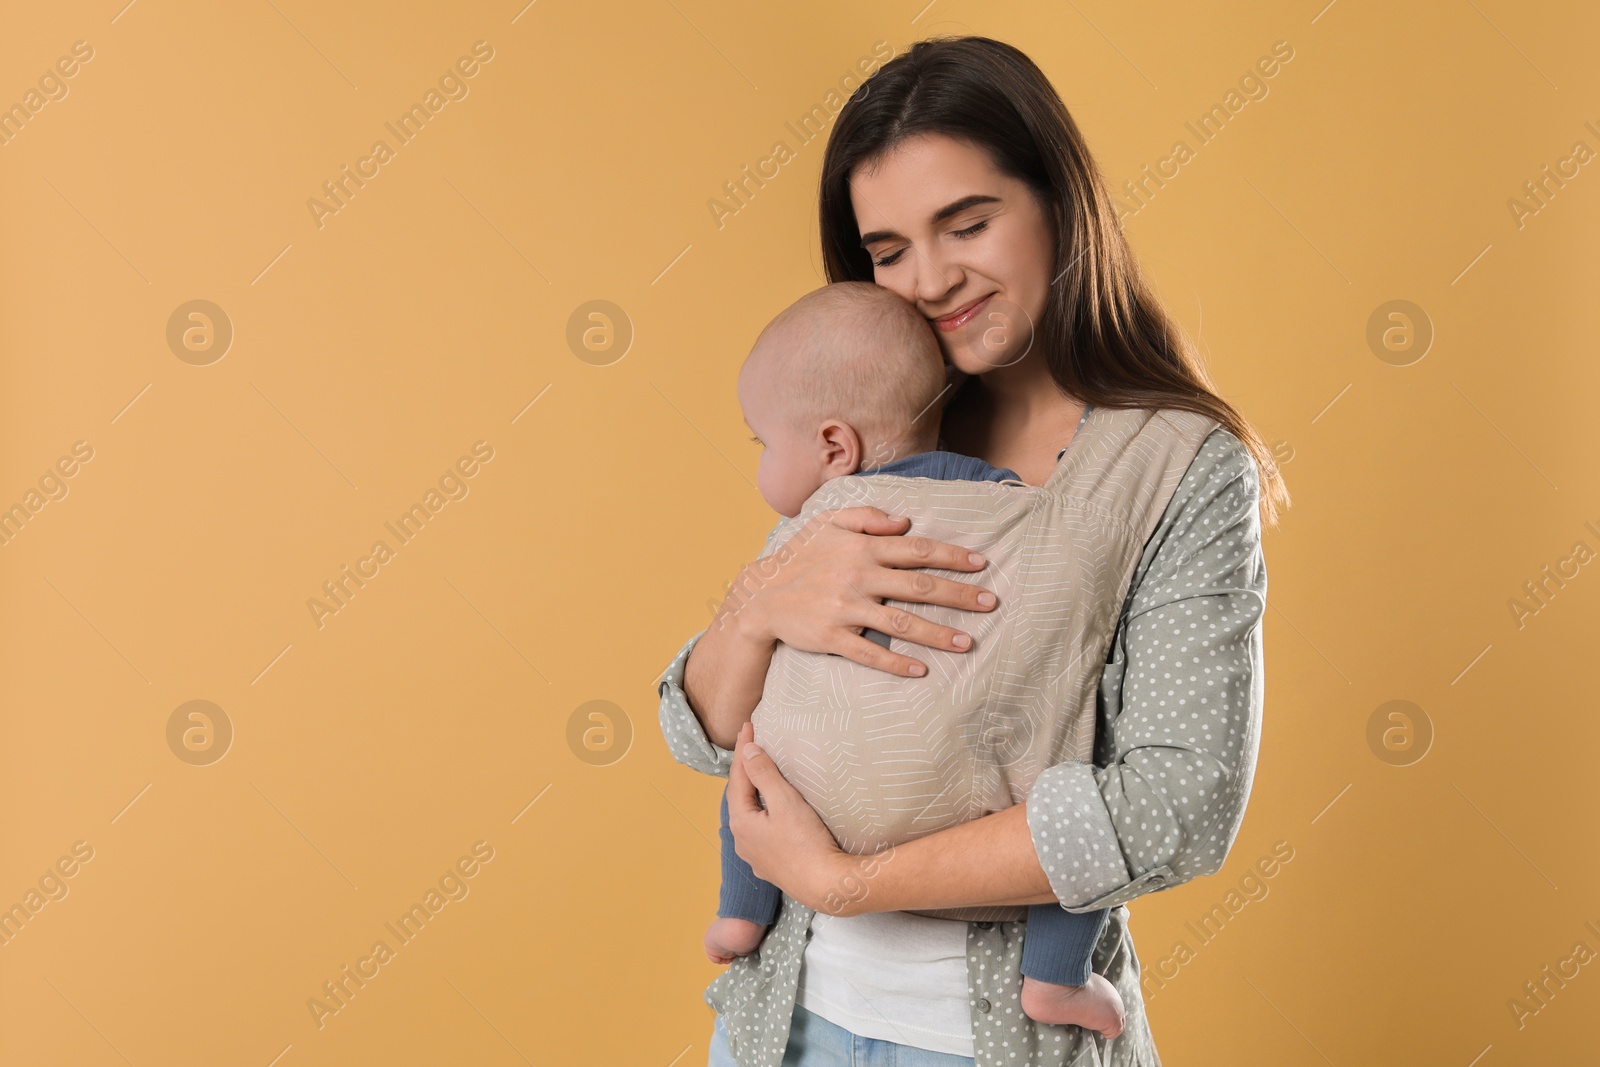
(746, 905)
(1057, 984)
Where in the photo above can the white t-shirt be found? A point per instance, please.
(890, 975)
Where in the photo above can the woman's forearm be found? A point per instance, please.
(986, 861)
(726, 670)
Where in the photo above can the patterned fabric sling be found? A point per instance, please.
(885, 759)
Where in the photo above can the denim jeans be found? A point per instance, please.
(816, 1042)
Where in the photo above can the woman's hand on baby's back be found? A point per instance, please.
(827, 582)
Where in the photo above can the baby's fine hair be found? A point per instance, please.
(856, 352)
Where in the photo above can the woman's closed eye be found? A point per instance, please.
(970, 231)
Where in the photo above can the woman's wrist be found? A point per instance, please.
(743, 609)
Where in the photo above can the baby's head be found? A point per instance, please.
(846, 377)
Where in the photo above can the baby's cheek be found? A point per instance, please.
(767, 483)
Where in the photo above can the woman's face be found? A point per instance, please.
(969, 247)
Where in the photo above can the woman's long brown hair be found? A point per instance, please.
(1105, 336)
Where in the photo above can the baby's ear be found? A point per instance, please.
(841, 452)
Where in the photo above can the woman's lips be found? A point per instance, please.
(961, 318)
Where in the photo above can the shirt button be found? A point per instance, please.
(983, 1005)
(986, 926)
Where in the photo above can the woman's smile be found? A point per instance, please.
(962, 317)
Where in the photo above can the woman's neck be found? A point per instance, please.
(1020, 426)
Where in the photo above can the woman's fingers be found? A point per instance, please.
(915, 550)
(864, 519)
(754, 782)
(908, 626)
(763, 773)
(742, 799)
(826, 582)
(907, 550)
(871, 654)
(920, 587)
(891, 573)
(897, 557)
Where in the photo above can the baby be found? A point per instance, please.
(849, 380)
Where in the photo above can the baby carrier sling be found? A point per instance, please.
(885, 759)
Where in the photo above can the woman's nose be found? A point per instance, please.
(936, 277)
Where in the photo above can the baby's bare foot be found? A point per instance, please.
(1096, 1005)
(727, 938)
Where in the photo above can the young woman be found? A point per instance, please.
(956, 178)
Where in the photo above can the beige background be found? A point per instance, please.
(433, 711)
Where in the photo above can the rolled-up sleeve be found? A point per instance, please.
(1180, 704)
(686, 738)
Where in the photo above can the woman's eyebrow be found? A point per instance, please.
(938, 216)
